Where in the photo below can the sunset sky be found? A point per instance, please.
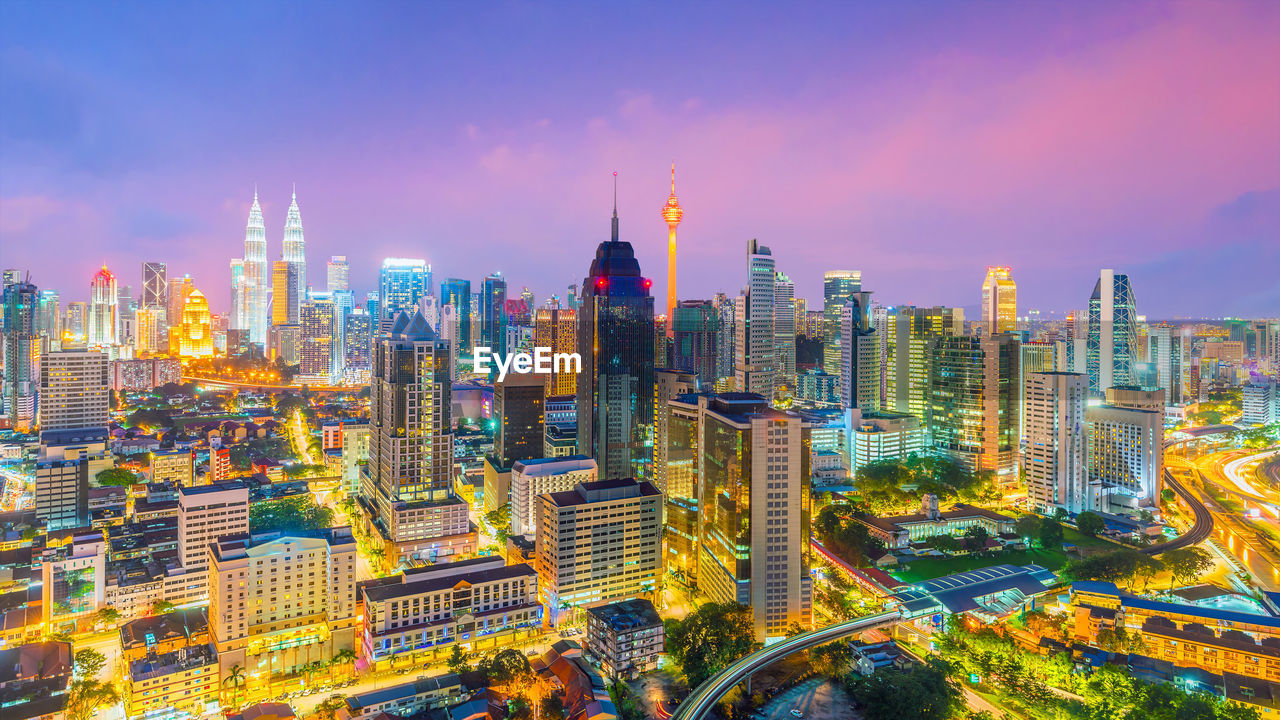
(917, 142)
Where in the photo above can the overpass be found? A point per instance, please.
(1200, 529)
(704, 698)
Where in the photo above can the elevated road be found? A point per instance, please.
(704, 698)
(1200, 529)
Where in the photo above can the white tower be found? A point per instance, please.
(295, 250)
(257, 275)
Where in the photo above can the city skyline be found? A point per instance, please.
(1128, 173)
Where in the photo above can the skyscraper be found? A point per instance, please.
(237, 295)
(784, 330)
(49, 316)
(837, 286)
(104, 317)
(1113, 333)
(615, 340)
(21, 300)
(74, 390)
(859, 355)
(197, 336)
(155, 285)
(285, 305)
(338, 273)
(401, 283)
(1168, 350)
(1055, 454)
(557, 328)
(257, 275)
(520, 418)
(358, 334)
(999, 301)
(755, 352)
(457, 292)
(973, 402)
(695, 346)
(493, 313)
(672, 213)
(295, 249)
(318, 356)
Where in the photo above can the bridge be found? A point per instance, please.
(704, 698)
(1200, 529)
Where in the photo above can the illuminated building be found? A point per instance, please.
(784, 330)
(237, 294)
(884, 435)
(206, 514)
(518, 415)
(1168, 349)
(672, 213)
(859, 355)
(837, 286)
(667, 385)
(973, 402)
(358, 345)
(285, 306)
(104, 317)
(676, 467)
(144, 374)
(285, 342)
(401, 283)
(557, 328)
(725, 341)
(582, 536)
(999, 301)
(1112, 347)
(695, 339)
(1055, 453)
(457, 293)
(268, 625)
(197, 337)
(295, 251)
(155, 285)
(338, 273)
(74, 390)
(318, 354)
(1125, 455)
(493, 313)
(753, 480)
(77, 322)
(615, 340)
(755, 354)
(534, 477)
(908, 331)
(21, 301)
(257, 275)
(67, 459)
(176, 466)
(49, 316)
(627, 637)
(179, 289)
(1037, 357)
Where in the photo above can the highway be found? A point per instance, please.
(1199, 531)
(704, 698)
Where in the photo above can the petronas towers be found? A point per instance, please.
(251, 275)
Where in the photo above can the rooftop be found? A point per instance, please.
(626, 615)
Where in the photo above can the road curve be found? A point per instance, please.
(1199, 531)
(701, 701)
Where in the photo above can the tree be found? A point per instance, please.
(328, 709)
(509, 668)
(1167, 495)
(975, 538)
(1090, 523)
(289, 514)
(108, 615)
(88, 663)
(1186, 565)
(458, 661)
(945, 543)
(500, 520)
(85, 697)
(234, 678)
(924, 692)
(1050, 534)
(1028, 526)
(161, 607)
(115, 476)
(346, 656)
(710, 638)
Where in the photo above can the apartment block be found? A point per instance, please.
(626, 637)
(531, 478)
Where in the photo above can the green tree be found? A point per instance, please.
(328, 709)
(88, 663)
(500, 521)
(1090, 523)
(289, 514)
(108, 615)
(235, 678)
(1050, 534)
(1028, 526)
(457, 661)
(924, 692)
(975, 538)
(86, 696)
(160, 607)
(1186, 565)
(709, 639)
(116, 476)
(1167, 495)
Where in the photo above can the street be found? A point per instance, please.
(817, 698)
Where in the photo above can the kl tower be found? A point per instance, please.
(672, 213)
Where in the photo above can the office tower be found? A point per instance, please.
(124, 307)
(584, 534)
(801, 315)
(571, 297)
(104, 317)
(676, 468)
(1055, 457)
(784, 330)
(672, 213)
(859, 355)
(753, 474)
(557, 328)
(196, 336)
(257, 275)
(1113, 333)
(155, 285)
(457, 293)
(358, 346)
(907, 356)
(493, 313)
(1167, 351)
(661, 343)
(179, 289)
(518, 414)
(67, 460)
(285, 308)
(999, 301)
(77, 322)
(725, 339)
(755, 354)
(74, 390)
(534, 477)
(237, 295)
(1037, 356)
(338, 273)
(1125, 455)
(318, 354)
(401, 282)
(344, 303)
(409, 478)
(973, 402)
(695, 339)
(837, 286)
(314, 621)
(1259, 402)
(526, 297)
(295, 249)
(207, 514)
(667, 386)
(615, 341)
(49, 316)
(880, 324)
(21, 301)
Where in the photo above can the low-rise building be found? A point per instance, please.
(34, 679)
(174, 685)
(899, 531)
(625, 637)
(428, 693)
(884, 435)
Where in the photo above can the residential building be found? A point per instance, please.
(755, 351)
(176, 466)
(1055, 455)
(205, 515)
(883, 435)
(625, 637)
(66, 462)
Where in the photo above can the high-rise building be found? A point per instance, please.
(318, 356)
(20, 303)
(557, 328)
(1168, 351)
(672, 213)
(457, 293)
(104, 316)
(66, 461)
(999, 301)
(599, 541)
(676, 470)
(74, 390)
(257, 276)
(973, 402)
(837, 286)
(755, 352)
(534, 477)
(237, 314)
(519, 416)
(49, 316)
(493, 313)
(784, 331)
(77, 322)
(205, 515)
(338, 273)
(753, 473)
(179, 289)
(358, 340)
(695, 343)
(725, 340)
(295, 248)
(155, 285)
(1126, 450)
(907, 355)
(197, 336)
(409, 479)
(285, 306)
(401, 283)
(1113, 333)
(1055, 456)
(615, 341)
(859, 355)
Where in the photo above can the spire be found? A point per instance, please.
(673, 179)
(295, 192)
(615, 206)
